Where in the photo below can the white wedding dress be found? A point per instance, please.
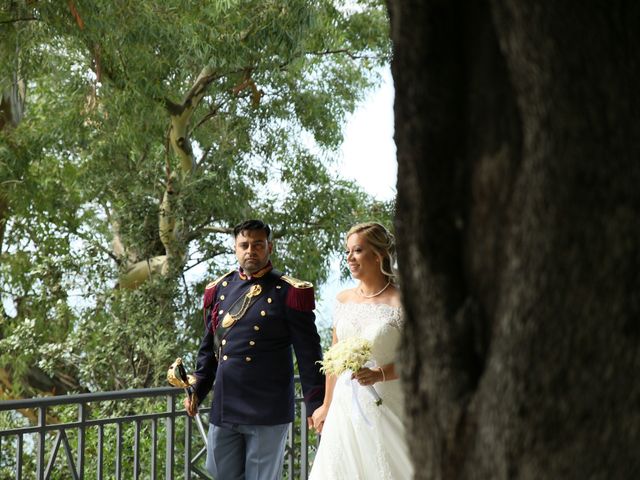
(361, 440)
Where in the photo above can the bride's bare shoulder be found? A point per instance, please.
(394, 298)
(346, 296)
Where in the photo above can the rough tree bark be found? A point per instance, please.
(518, 140)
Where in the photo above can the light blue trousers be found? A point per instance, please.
(246, 452)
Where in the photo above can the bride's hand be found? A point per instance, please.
(367, 376)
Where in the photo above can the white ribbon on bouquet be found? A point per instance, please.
(355, 387)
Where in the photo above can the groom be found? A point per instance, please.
(253, 316)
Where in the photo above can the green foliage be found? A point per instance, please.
(90, 155)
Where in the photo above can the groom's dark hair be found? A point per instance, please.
(252, 225)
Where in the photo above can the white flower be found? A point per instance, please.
(352, 354)
(348, 354)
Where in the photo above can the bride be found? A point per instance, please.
(360, 439)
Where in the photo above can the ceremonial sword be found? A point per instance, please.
(183, 380)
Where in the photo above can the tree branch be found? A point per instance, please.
(346, 51)
(181, 115)
(209, 115)
(167, 220)
(204, 229)
(141, 271)
(21, 19)
(194, 265)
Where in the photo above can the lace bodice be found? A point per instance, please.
(377, 322)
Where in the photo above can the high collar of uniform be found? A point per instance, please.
(260, 273)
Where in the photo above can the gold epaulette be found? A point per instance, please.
(296, 283)
(219, 279)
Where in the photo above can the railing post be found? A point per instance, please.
(118, 451)
(82, 417)
(19, 457)
(154, 446)
(291, 450)
(187, 447)
(171, 409)
(100, 460)
(304, 437)
(136, 451)
(42, 421)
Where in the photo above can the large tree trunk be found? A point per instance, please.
(518, 137)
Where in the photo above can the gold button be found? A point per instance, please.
(224, 284)
(256, 328)
(247, 359)
(221, 297)
(278, 286)
(224, 342)
(224, 358)
(269, 300)
(221, 312)
(263, 313)
(252, 343)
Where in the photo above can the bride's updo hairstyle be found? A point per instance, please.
(383, 244)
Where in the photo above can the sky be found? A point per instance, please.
(367, 156)
(369, 152)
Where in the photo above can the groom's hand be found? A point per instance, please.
(191, 405)
(319, 416)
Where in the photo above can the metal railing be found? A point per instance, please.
(33, 451)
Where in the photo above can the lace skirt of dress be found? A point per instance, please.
(361, 440)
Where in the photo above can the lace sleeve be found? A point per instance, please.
(397, 318)
(334, 316)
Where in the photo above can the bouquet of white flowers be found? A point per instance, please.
(352, 354)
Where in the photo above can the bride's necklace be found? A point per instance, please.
(362, 294)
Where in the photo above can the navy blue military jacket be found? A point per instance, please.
(254, 373)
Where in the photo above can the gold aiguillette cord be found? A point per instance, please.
(233, 315)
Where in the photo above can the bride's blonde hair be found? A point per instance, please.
(383, 244)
